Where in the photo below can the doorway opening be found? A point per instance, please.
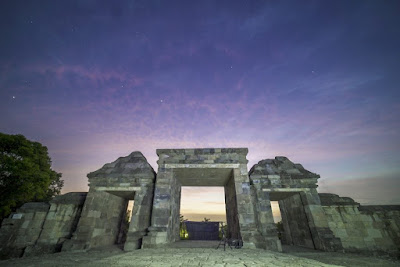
(276, 213)
(202, 210)
(125, 221)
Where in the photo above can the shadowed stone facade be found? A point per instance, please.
(225, 167)
(82, 221)
(38, 228)
(371, 229)
(111, 188)
(294, 187)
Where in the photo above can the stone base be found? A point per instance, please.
(133, 245)
(268, 243)
(134, 240)
(11, 252)
(74, 245)
(40, 249)
(155, 239)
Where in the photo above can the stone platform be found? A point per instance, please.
(199, 257)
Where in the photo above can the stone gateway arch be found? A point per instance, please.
(81, 221)
(155, 217)
(247, 197)
(225, 167)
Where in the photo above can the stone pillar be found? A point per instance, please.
(175, 210)
(164, 212)
(268, 235)
(245, 207)
(321, 234)
(141, 217)
(265, 220)
(231, 210)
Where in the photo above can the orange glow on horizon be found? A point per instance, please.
(202, 202)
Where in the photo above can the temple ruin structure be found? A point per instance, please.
(82, 221)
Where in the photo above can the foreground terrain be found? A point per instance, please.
(197, 255)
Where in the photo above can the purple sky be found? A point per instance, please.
(316, 81)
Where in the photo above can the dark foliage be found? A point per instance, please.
(25, 173)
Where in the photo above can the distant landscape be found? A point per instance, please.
(198, 217)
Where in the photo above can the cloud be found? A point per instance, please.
(367, 191)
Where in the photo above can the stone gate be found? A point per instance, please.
(80, 221)
(304, 221)
(225, 167)
(111, 187)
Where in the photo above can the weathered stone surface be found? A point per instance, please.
(80, 221)
(294, 187)
(111, 187)
(38, 228)
(61, 221)
(123, 173)
(293, 214)
(22, 229)
(370, 229)
(333, 199)
(201, 167)
(202, 155)
(282, 173)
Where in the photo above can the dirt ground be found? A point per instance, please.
(200, 254)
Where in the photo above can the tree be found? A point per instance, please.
(206, 219)
(25, 173)
(182, 227)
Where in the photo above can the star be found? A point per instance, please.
(161, 100)
(13, 97)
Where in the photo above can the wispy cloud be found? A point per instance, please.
(367, 191)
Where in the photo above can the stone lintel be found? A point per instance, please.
(119, 188)
(283, 190)
(126, 192)
(203, 151)
(201, 166)
(276, 194)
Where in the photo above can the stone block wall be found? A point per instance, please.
(201, 167)
(111, 188)
(202, 156)
(60, 222)
(123, 174)
(22, 229)
(367, 229)
(387, 217)
(100, 221)
(282, 173)
(38, 228)
(279, 179)
(80, 221)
